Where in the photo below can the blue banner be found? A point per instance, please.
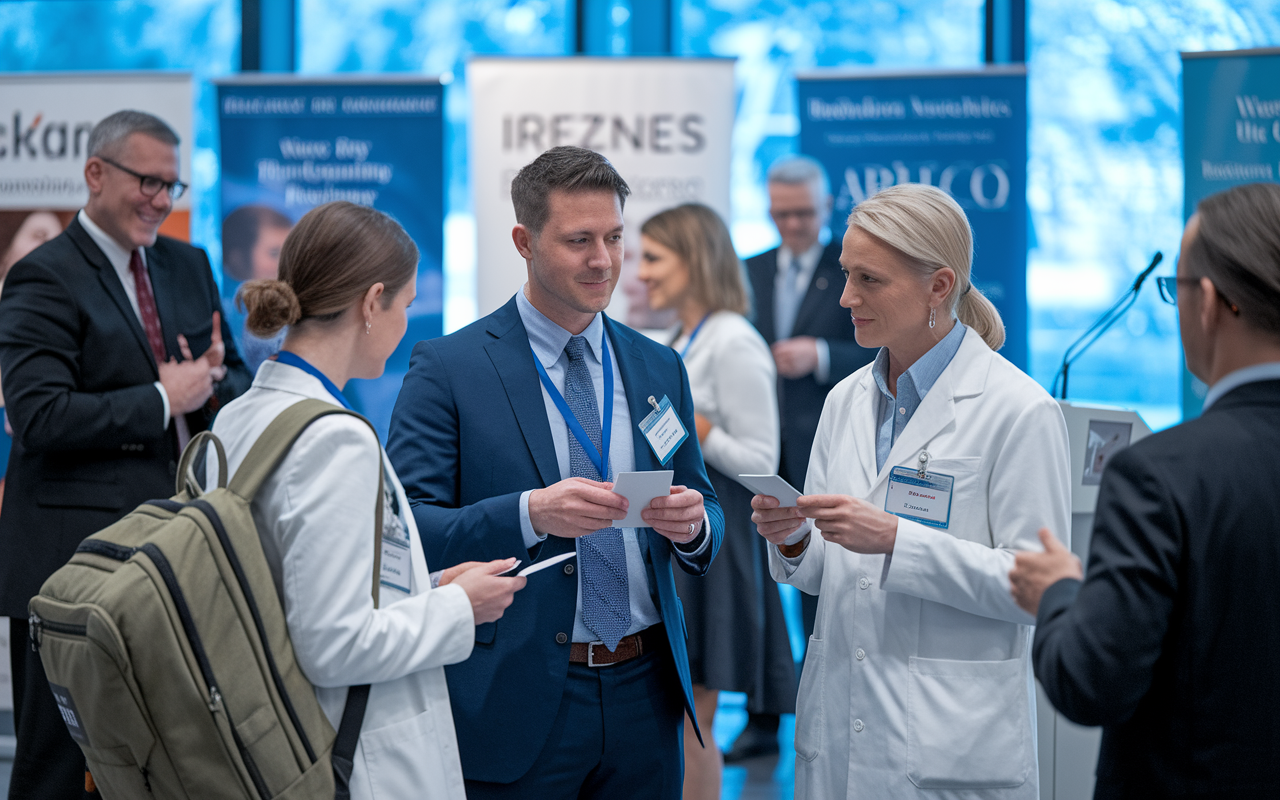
(290, 145)
(964, 132)
(1231, 135)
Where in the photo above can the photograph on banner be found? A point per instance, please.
(289, 145)
(665, 124)
(1231, 135)
(962, 131)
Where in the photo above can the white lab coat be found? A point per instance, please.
(917, 680)
(315, 518)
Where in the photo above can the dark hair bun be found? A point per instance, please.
(271, 305)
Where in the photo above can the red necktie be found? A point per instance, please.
(147, 306)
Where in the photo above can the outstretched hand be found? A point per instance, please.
(1034, 572)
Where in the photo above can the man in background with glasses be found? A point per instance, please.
(113, 355)
(1170, 641)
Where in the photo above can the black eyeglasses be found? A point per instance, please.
(151, 185)
(1169, 291)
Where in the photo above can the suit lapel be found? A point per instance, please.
(162, 287)
(636, 381)
(512, 357)
(111, 283)
(762, 285)
(824, 289)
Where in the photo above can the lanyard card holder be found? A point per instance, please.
(663, 429)
(926, 500)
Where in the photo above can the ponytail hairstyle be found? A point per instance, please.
(930, 231)
(328, 262)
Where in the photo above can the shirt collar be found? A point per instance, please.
(927, 369)
(548, 339)
(117, 255)
(1234, 380)
(807, 260)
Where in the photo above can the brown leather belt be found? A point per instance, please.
(595, 654)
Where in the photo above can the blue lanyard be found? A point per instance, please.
(599, 458)
(294, 360)
(694, 335)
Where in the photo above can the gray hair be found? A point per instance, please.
(109, 134)
(793, 170)
(930, 230)
(1238, 248)
(564, 168)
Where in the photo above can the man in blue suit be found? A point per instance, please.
(507, 435)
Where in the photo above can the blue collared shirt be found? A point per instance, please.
(895, 412)
(548, 340)
(1234, 380)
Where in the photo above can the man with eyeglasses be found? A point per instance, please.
(113, 355)
(797, 310)
(1170, 640)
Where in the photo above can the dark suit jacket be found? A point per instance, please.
(820, 315)
(89, 442)
(1173, 640)
(468, 436)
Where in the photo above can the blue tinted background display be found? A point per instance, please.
(964, 133)
(294, 145)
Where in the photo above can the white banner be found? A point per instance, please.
(665, 124)
(45, 120)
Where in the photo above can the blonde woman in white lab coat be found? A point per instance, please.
(917, 681)
(347, 274)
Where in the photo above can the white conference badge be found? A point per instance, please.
(397, 561)
(926, 500)
(663, 429)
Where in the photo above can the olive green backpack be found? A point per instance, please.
(165, 644)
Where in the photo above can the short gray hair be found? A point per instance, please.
(109, 134)
(1238, 248)
(793, 170)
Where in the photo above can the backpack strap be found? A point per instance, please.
(263, 458)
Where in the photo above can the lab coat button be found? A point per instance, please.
(858, 726)
(863, 583)
(561, 638)
(860, 654)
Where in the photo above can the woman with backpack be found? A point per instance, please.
(347, 276)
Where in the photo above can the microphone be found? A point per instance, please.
(1104, 323)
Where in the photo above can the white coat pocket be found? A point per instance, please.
(404, 760)
(968, 724)
(810, 702)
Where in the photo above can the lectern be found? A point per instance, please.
(1068, 752)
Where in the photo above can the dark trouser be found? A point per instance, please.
(618, 733)
(48, 764)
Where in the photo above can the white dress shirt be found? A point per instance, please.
(808, 263)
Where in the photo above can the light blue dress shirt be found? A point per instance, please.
(895, 411)
(548, 341)
(1234, 380)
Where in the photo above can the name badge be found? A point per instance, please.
(924, 500)
(397, 561)
(663, 429)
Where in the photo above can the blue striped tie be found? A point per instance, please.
(602, 557)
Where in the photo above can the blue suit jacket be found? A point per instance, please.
(468, 436)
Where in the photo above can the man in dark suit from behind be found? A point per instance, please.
(797, 289)
(1171, 640)
(97, 331)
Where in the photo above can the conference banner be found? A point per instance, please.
(962, 131)
(665, 124)
(1231, 135)
(291, 144)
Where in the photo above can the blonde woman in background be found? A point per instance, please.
(917, 681)
(689, 267)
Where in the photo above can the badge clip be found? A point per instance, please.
(654, 403)
(923, 470)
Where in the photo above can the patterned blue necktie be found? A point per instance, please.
(602, 557)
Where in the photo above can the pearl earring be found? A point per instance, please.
(933, 316)
(368, 327)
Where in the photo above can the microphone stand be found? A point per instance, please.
(1110, 317)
